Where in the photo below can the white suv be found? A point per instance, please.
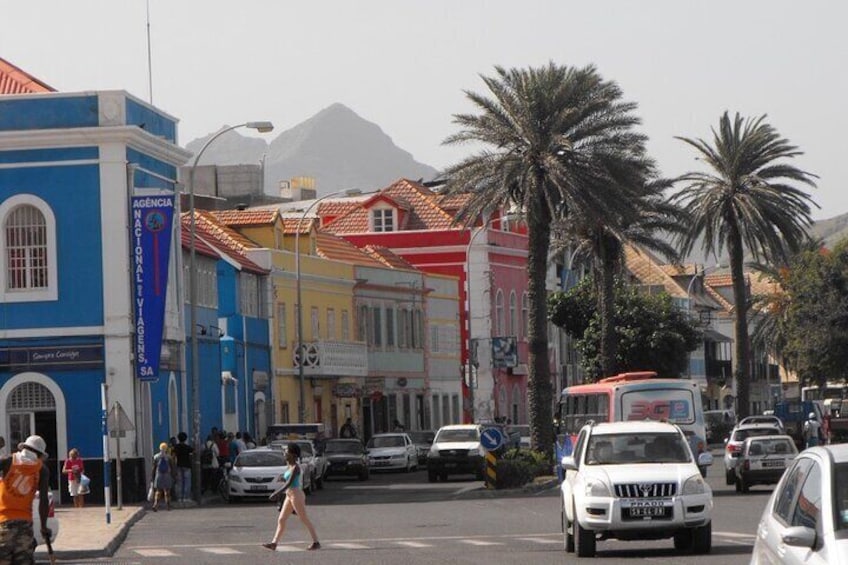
(635, 480)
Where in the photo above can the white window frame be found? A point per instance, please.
(51, 291)
(250, 296)
(383, 219)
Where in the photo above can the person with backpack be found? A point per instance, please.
(209, 465)
(163, 479)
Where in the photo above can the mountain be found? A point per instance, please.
(831, 230)
(335, 146)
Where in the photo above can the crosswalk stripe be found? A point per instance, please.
(221, 550)
(734, 535)
(349, 545)
(155, 553)
(540, 540)
(414, 544)
(289, 548)
(479, 542)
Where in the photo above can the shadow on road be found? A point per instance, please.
(634, 553)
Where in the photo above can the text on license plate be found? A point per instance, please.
(638, 511)
(774, 463)
(259, 488)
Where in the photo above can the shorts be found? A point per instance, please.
(73, 488)
(17, 542)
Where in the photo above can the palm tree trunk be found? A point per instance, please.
(742, 349)
(539, 381)
(606, 309)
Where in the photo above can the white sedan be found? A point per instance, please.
(257, 473)
(392, 451)
(806, 518)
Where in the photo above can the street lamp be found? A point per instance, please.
(695, 277)
(262, 127)
(301, 411)
(469, 339)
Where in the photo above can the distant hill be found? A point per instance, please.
(336, 146)
(831, 230)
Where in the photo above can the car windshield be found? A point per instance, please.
(343, 447)
(766, 447)
(385, 441)
(468, 434)
(760, 420)
(421, 437)
(260, 459)
(742, 435)
(624, 449)
(840, 495)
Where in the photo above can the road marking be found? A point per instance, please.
(221, 550)
(414, 544)
(541, 540)
(349, 545)
(479, 542)
(155, 553)
(735, 535)
(289, 548)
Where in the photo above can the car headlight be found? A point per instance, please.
(595, 487)
(235, 479)
(694, 485)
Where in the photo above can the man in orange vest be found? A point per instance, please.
(23, 472)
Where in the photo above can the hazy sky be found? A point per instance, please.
(404, 65)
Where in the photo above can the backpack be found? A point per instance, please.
(163, 467)
(206, 456)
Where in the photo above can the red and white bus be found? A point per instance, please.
(631, 396)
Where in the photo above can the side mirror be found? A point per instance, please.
(725, 440)
(799, 536)
(705, 459)
(568, 463)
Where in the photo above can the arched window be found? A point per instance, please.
(525, 314)
(499, 314)
(513, 314)
(28, 248)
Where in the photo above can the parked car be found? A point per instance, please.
(456, 449)
(392, 451)
(346, 457)
(256, 473)
(733, 445)
(763, 460)
(52, 520)
(422, 441)
(315, 461)
(635, 481)
(806, 518)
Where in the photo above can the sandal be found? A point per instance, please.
(315, 545)
(270, 545)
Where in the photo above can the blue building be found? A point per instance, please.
(70, 167)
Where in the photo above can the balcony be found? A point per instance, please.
(332, 358)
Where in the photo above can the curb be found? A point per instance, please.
(106, 551)
(531, 488)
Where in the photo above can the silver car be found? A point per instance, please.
(806, 518)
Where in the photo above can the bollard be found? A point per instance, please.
(491, 470)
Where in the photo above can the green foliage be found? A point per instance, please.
(815, 324)
(518, 467)
(652, 333)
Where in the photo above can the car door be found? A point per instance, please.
(778, 517)
(571, 475)
(808, 513)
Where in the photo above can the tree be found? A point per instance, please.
(556, 140)
(652, 333)
(748, 200)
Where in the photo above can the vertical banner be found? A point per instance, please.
(151, 245)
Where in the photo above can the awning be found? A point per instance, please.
(712, 335)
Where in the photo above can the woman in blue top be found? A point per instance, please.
(295, 501)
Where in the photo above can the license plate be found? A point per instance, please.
(647, 511)
(379, 463)
(775, 463)
(257, 488)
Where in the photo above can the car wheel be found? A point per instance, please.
(584, 540)
(232, 499)
(729, 476)
(432, 477)
(683, 540)
(568, 539)
(702, 539)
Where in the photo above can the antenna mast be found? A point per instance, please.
(149, 58)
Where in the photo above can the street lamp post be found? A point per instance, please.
(262, 127)
(301, 411)
(472, 369)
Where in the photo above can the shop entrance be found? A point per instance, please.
(31, 409)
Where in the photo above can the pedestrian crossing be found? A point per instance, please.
(546, 540)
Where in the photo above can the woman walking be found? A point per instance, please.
(73, 467)
(295, 501)
(163, 478)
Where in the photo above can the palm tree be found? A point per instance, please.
(748, 201)
(601, 245)
(555, 139)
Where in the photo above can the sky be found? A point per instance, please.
(405, 64)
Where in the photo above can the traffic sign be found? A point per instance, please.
(491, 439)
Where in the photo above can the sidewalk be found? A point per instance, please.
(84, 533)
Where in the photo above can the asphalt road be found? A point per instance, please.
(401, 518)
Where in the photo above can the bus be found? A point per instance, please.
(631, 396)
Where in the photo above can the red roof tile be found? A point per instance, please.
(246, 217)
(225, 239)
(330, 246)
(387, 257)
(15, 81)
(648, 271)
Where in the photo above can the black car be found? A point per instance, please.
(346, 457)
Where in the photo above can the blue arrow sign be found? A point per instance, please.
(491, 439)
